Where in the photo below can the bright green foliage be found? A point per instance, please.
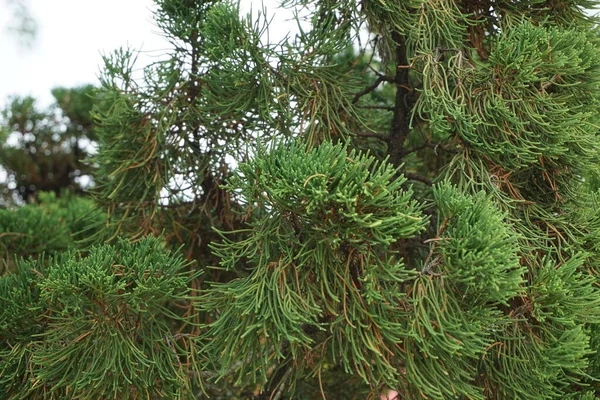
(98, 326)
(550, 351)
(478, 251)
(457, 300)
(322, 276)
(402, 196)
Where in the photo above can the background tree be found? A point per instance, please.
(415, 211)
(23, 25)
(44, 150)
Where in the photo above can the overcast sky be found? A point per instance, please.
(72, 36)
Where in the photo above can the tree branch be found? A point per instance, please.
(378, 81)
(380, 136)
(400, 128)
(417, 177)
(434, 146)
(377, 108)
(277, 395)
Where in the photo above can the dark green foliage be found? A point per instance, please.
(538, 81)
(97, 326)
(170, 137)
(32, 230)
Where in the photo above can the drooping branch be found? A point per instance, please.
(384, 108)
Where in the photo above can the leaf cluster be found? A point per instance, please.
(98, 326)
(321, 287)
(51, 226)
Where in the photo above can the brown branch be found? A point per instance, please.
(403, 104)
(380, 136)
(434, 146)
(416, 148)
(153, 203)
(377, 108)
(417, 177)
(277, 394)
(429, 264)
(367, 90)
(13, 234)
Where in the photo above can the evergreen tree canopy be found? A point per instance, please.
(44, 150)
(402, 197)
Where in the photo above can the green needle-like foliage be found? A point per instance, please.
(401, 198)
(53, 225)
(478, 250)
(322, 271)
(458, 302)
(98, 326)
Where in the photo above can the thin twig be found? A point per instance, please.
(13, 234)
(367, 90)
(281, 387)
(384, 108)
(417, 177)
(380, 136)
(321, 386)
(429, 264)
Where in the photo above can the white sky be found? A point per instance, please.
(72, 36)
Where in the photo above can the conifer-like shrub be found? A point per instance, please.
(49, 226)
(98, 326)
(397, 198)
